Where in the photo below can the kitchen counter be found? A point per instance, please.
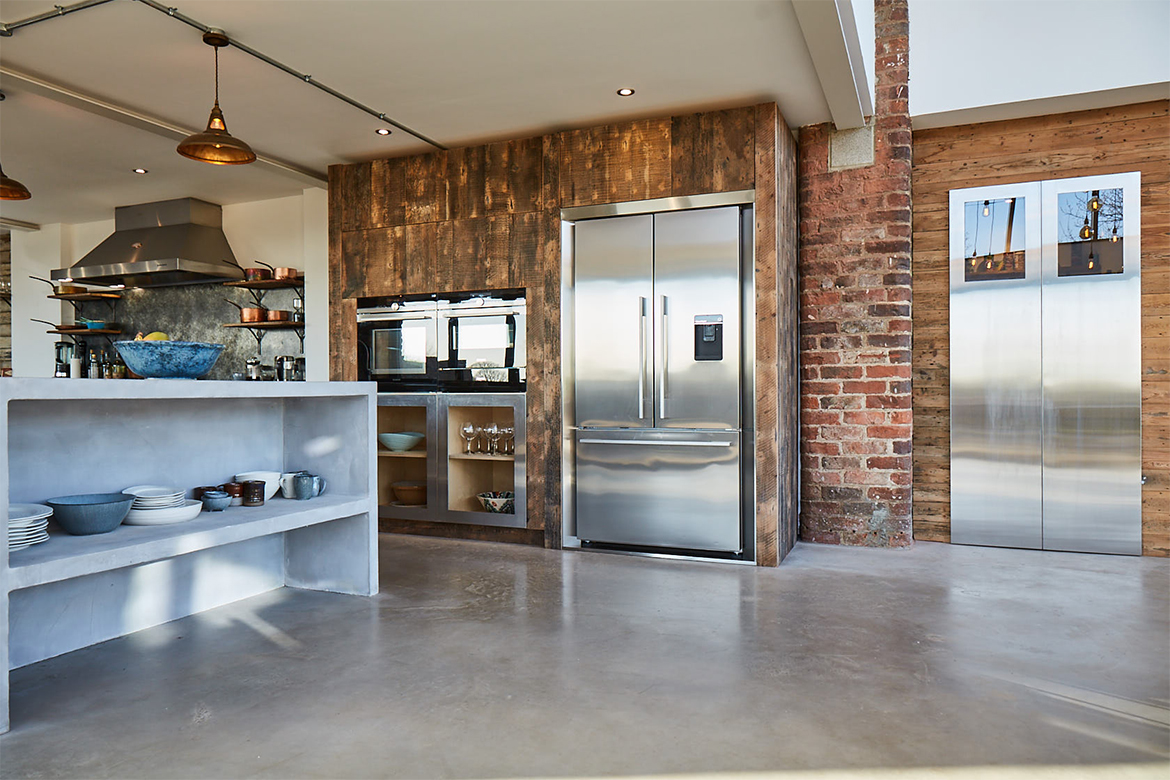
(72, 436)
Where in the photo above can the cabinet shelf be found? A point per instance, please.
(266, 325)
(269, 284)
(481, 456)
(388, 454)
(87, 296)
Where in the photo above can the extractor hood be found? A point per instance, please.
(161, 244)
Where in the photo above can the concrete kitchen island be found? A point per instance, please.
(66, 437)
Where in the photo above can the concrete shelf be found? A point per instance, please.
(66, 437)
(64, 556)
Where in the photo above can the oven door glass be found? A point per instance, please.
(486, 344)
(400, 347)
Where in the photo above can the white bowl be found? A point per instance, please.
(271, 480)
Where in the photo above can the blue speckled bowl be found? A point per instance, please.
(169, 359)
(92, 513)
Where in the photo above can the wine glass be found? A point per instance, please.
(509, 437)
(478, 439)
(492, 431)
(468, 432)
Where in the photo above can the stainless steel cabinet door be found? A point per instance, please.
(1092, 364)
(613, 267)
(996, 423)
(659, 489)
(696, 278)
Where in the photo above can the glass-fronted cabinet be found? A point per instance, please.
(452, 457)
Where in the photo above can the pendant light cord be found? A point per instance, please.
(216, 74)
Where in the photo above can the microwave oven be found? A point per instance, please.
(468, 342)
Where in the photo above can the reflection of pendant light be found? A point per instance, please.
(1086, 231)
(215, 145)
(1090, 260)
(11, 189)
(1113, 238)
(1094, 202)
(986, 208)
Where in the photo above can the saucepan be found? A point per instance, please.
(286, 274)
(250, 313)
(254, 274)
(279, 315)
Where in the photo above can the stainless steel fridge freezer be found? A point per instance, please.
(657, 375)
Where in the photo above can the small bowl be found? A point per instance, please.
(91, 513)
(400, 442)
(410, 493)
(499, 501)
(216, 500)
(271, 480)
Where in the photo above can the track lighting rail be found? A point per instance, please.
(6, 30)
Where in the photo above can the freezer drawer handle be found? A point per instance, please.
(657, 443)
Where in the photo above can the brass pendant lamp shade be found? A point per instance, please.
(216, 145)
(11, 189)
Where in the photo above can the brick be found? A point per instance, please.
(889, 463)
(863, 386)
(889, 431)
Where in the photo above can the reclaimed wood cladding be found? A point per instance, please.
(489, 217)
(1083, 143)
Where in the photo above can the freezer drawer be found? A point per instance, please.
(659, 489)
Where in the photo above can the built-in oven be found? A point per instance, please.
(398, 343)
(457, 342)
(481, 343)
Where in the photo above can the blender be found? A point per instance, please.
(64, 352)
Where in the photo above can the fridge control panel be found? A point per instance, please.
(708, 337)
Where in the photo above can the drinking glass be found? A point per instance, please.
(509, 437)
(492, 431)
(480, 441)
(468, 432)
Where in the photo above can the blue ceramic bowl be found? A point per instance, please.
(400, 442)
(169, 359)
(216, 501)
(498, 501)
(92, 513)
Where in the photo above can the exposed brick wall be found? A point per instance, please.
(855, 228)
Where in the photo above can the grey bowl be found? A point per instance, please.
(169, 359)
(92, 513)
(400, 442)
(216, 501)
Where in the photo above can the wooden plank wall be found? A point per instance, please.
(489, 217)
(1111, 140)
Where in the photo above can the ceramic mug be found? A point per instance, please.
(303, 486)
(286, 484)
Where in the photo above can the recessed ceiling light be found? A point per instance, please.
(141, 170)
(625, 91)
(383, 131)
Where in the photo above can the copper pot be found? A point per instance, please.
(286, 274)
(279, 315)
(250, 313)
(257, 274)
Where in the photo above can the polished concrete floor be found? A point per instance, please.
(481, 660)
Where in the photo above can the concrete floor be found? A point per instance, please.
(481, 660)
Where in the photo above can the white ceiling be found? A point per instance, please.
(459, 71)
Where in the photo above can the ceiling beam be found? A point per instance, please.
(830, 32)
(127, 116)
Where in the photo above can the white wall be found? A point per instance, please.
(982, 60)
(289, 231)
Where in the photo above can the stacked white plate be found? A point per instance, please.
(160, 505)
(27, 525)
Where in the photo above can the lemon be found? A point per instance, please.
(157, 336)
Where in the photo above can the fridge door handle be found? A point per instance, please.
(665, 361)
(641, 357)
(648, 443)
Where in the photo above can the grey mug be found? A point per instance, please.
(303, 487)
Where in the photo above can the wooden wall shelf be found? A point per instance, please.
(89, 296)
(266, 325)
(269, 284)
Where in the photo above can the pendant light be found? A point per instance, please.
(215, 145)
(1086, 231)
(11, 189)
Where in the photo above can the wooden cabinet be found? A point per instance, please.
(453, 475)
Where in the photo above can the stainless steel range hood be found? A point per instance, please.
(161, 244)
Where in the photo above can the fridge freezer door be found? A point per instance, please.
(696, 284)
(613, 260)
(659, 489)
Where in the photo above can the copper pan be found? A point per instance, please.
(250, 313)
(279, 315)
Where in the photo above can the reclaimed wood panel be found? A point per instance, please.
(482, 533)
(615, 163)
(1085, 143)
(713, 152)
(489, 217)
